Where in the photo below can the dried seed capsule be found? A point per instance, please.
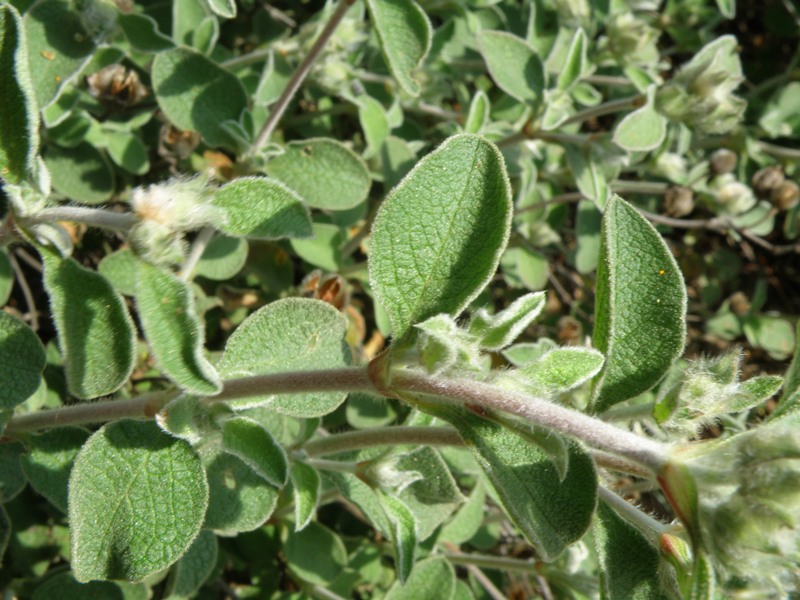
(786, 195)
(723, 161)
(767, 179)
(678, 201)
(739, 304)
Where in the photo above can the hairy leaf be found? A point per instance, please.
(22, 360)
(254, 445)
(306, 489)
(431, 579)
(513, 64)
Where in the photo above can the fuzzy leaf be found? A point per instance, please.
(125, 523)
(95, 331)
(550, 510)
(643, 129)
(479, 113)
(561, 369)
(438, 236)
(513, 64)
(6, 278)
(431, 579)
(253, 444)
(48, 464)
(22, 360)
(315, 554)
(223, 8)
(174, 330)
(789, 404)
(640, 309)
(404, 534)
(325, 172)
(495, 332)
(575, 61)
(757, 390)
(19, 119)
(306, 489)
(222, 259)
(404, 33)
(194, 567)
(197, 94)
(294, 334)
(82, 173)
(588, 174)
(143, 34)
(239, 498)
(119, 267)
(12, 476)
(628, 563)
(262, 208)
(58, 47)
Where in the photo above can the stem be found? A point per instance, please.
(647, 525)
(26, 291)
(143, 407)
(594, 432)
(486, 561)
(299, 75)
(383, 436)
(608, 80)
(94, 217)
(246, 60)
(779, 151)
(607, 108)
(332, 465)
(198, 248)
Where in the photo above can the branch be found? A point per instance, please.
(383, 436)
(94, 217)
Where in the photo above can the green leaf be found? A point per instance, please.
(95, 332)
(6, 278)
(431, 579)
(404, 33)
(789, 404)
(174, 330)
(261, 208)
(438, 236)
(727, 8)
(22, 360)
(254, 445)
(316, 554)
(374, 124)
(194, 567)
(466, 522)
(239, 498)
(479, 113)
(640, 307)
(119, 268)
(588, 174)
(773, 334)
(704, 581)
(513, 64)
(587, 233)
(5, 531)
(294, 334)
(12, 476)
(642, 130)
(561, 369)
(58, 47)
(125, 523)
(143, 34)
(628, 563)
(550, 510)
(323, 249)
(397, 159)
(325, 172)
(48, 464)
(197, 94)
(757, 390)
(81, 173)
(495, 332)
(223, 8)
(524, 268)
(575, 62)
(222, 259)
(64, 586)
(19, 119)
(306, 489)
(128, 151)
(404, 534)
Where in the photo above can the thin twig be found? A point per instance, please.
(455, 555)
(29, 260)
(94, 217)
(196, 253)
(299, 75)
(26, 292)
(607, 108)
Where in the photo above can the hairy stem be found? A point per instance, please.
(199, 246)
(593, 432)
(94, 217)
(300, 74)
(644, 523)
(607, 108)
(383, 436)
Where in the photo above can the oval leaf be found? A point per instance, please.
(643, 129)
(513, 64)
(95, 331)
(125, 523)
(81, 173)
(255, 446)
(295, 334)
(640, 309)
(326, 173)
(197, 94)
(174, 330)
(19, 119)
(438, 236)
(404, 33)
(316, 554)
(552, 510)
(306, 486)
(22, 360)
(431, 579)
(262, 208)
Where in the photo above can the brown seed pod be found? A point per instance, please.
(786, 195)
(767, 179)
(678, 201)
(723, 161)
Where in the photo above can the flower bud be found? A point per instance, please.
(678, 201)
(766, 180)
(632, 40)
(732, 197)
(179, 204)
(785, 196)
(723, 161)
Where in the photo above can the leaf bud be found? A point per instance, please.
(723, 161)
(767, 179)
(786, 195)
(678, 201)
